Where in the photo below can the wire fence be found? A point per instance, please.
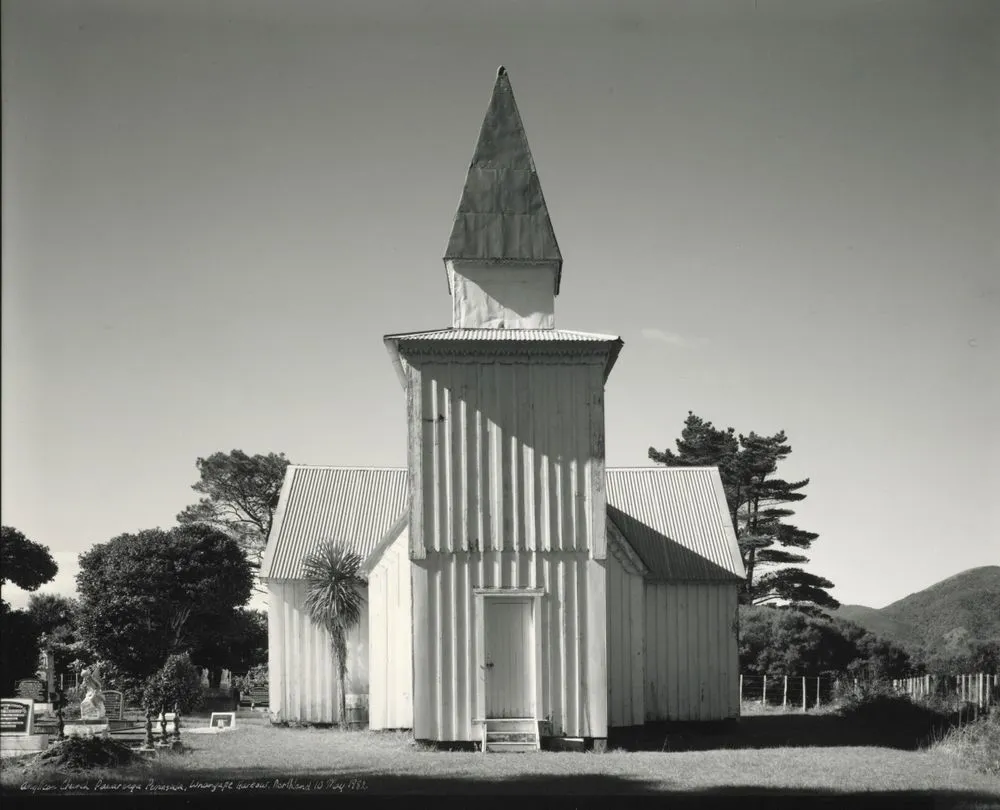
(809, 692)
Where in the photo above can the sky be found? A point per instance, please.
(213, 211)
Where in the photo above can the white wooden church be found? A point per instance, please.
(518, 590)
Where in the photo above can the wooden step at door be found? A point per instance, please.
(510, 734)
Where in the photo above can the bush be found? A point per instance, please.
(861, 695)
(976, 745)
(178, 683)
(84, 753)
(877, 705)
(257, 676)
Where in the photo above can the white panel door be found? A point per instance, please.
(508, 637)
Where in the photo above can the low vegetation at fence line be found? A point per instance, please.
(976, 745)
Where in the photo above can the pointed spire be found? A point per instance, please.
(502, 216)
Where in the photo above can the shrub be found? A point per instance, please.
(976, 745)
(178, 683)
(876, 704)
(84, 753)
(257, 676)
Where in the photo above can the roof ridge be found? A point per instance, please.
(346, 467)
(664, 468)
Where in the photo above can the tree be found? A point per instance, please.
(334, 600)
(756, 501)
(237, 645)
(28, 565)
(241, 494)
(55, 619)
(175, 686)
(148, 595)
(787, 641)
(24, 563)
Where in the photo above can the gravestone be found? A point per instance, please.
(31, 689)
(17, 728)
(223, 720)
(259, 695)
(17, 716)
(114, 706)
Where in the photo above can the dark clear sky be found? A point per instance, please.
(212, 212)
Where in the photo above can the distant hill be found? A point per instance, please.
(942, 618)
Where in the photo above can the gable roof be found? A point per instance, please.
(677, 520)
(355, 505)
(502, 214)
(674, 518)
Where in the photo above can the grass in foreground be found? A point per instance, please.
(268, 758)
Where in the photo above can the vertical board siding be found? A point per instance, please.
(626, 618)
(510, 456)
(691, 655)
(303, 684)
(390, 653)
(448, 679)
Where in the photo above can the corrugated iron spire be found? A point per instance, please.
(502, 216)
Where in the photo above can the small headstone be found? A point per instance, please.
(223, 720)
(17, 716)
(31, 688)
(114, 706)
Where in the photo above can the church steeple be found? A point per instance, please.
(502, 241)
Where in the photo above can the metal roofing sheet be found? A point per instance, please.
(677, 521)
(528, 335)
(354, 505)
(675, 518)
(502, 214)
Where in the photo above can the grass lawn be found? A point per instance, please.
(256, 757)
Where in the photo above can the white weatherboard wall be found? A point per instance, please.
(570, 684)
(507, 453)
(507, 489)
(692, 658)
(626, 645)
(302, 675)
(390, 703)
(502, 296)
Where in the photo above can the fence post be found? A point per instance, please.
(763, 699)
(741, 688)
(784, 695)
(817, 691)
(804, 693)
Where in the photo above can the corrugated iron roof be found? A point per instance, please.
(523, 335)
(675, 518)
(520, 337)
(677, 521)
(354, 505)
(502, 214)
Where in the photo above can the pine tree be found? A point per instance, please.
(757, 505)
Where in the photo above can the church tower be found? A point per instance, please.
(507, 522)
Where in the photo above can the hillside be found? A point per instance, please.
(942, 618)
(874, 621)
